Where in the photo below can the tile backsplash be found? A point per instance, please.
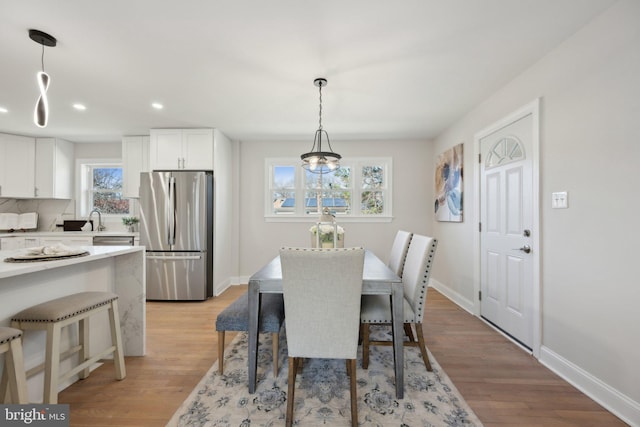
(50, 211)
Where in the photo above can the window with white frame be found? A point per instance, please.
(101, 188)
(360, 188)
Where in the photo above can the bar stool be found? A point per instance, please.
(14, 382)
(52, 316)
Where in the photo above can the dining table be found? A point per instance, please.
(377, 279)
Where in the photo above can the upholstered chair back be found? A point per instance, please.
(322, 290)
(399, 251)
(416, 272)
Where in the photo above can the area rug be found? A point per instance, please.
(322, 395)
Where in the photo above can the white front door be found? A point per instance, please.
(506, 230)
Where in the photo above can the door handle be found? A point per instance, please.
(171, 212)
(526, 249)
(174, 258)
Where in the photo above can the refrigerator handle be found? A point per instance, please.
(171, 217)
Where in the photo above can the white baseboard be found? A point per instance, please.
(454, 296)
(231, 281)
(221, 287)
(614, 401)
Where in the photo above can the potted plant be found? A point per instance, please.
(130, 222)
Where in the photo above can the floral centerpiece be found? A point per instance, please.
(130, 222)
(327, 233)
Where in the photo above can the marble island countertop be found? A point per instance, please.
(67, 233)
(9, 269)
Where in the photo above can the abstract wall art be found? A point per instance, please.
(448, 181)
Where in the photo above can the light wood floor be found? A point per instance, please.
(501, 383)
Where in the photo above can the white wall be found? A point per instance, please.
(260, 241)
(102, 150)
(590, 147)
(225, 222)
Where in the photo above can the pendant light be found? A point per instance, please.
(318, 161)
(41, 112)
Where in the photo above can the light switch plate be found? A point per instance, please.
(559, 200)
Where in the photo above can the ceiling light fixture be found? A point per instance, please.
(157, 106)
(79, 107)
(41, 113)
(3, 110)
(318, 161)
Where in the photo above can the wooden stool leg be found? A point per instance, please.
(14, 365)
(116, 339)
(85, 350)
(275, 337)
(5, 393)
(52, 364)
(221, 352)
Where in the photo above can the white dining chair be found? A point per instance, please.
(322, 290)
(376, 309)
(399, 251)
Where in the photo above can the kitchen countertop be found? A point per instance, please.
(9, 269)
(67, 233)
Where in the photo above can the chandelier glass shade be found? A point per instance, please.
(317, 160)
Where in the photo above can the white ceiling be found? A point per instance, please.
(395, 69)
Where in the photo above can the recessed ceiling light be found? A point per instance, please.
(79, 107)
(157, 106)
(3, 110)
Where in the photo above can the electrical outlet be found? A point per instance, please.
(559, 200)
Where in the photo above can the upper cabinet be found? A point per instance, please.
(135, 159)
(190, 149)
(17, 166)
(54, 169)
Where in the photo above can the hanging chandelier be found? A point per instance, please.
(41, 112)
(318, 161)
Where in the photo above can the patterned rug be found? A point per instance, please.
(322, 395)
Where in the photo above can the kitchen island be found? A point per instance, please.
(118, 269)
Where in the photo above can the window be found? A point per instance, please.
(101, 188)
(361, 189)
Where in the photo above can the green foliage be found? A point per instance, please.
(130, 220)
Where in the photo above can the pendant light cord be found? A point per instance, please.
(320, 109)
(42, 59)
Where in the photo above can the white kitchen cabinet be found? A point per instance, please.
(190, 149)
(30, 241)
(18, 242)
(67, 241)
(11, 243)
(17, 166)
(54, 168)
(135, 159)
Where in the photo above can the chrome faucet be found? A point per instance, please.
(100, 226)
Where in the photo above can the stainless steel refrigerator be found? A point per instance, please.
(176, 226)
